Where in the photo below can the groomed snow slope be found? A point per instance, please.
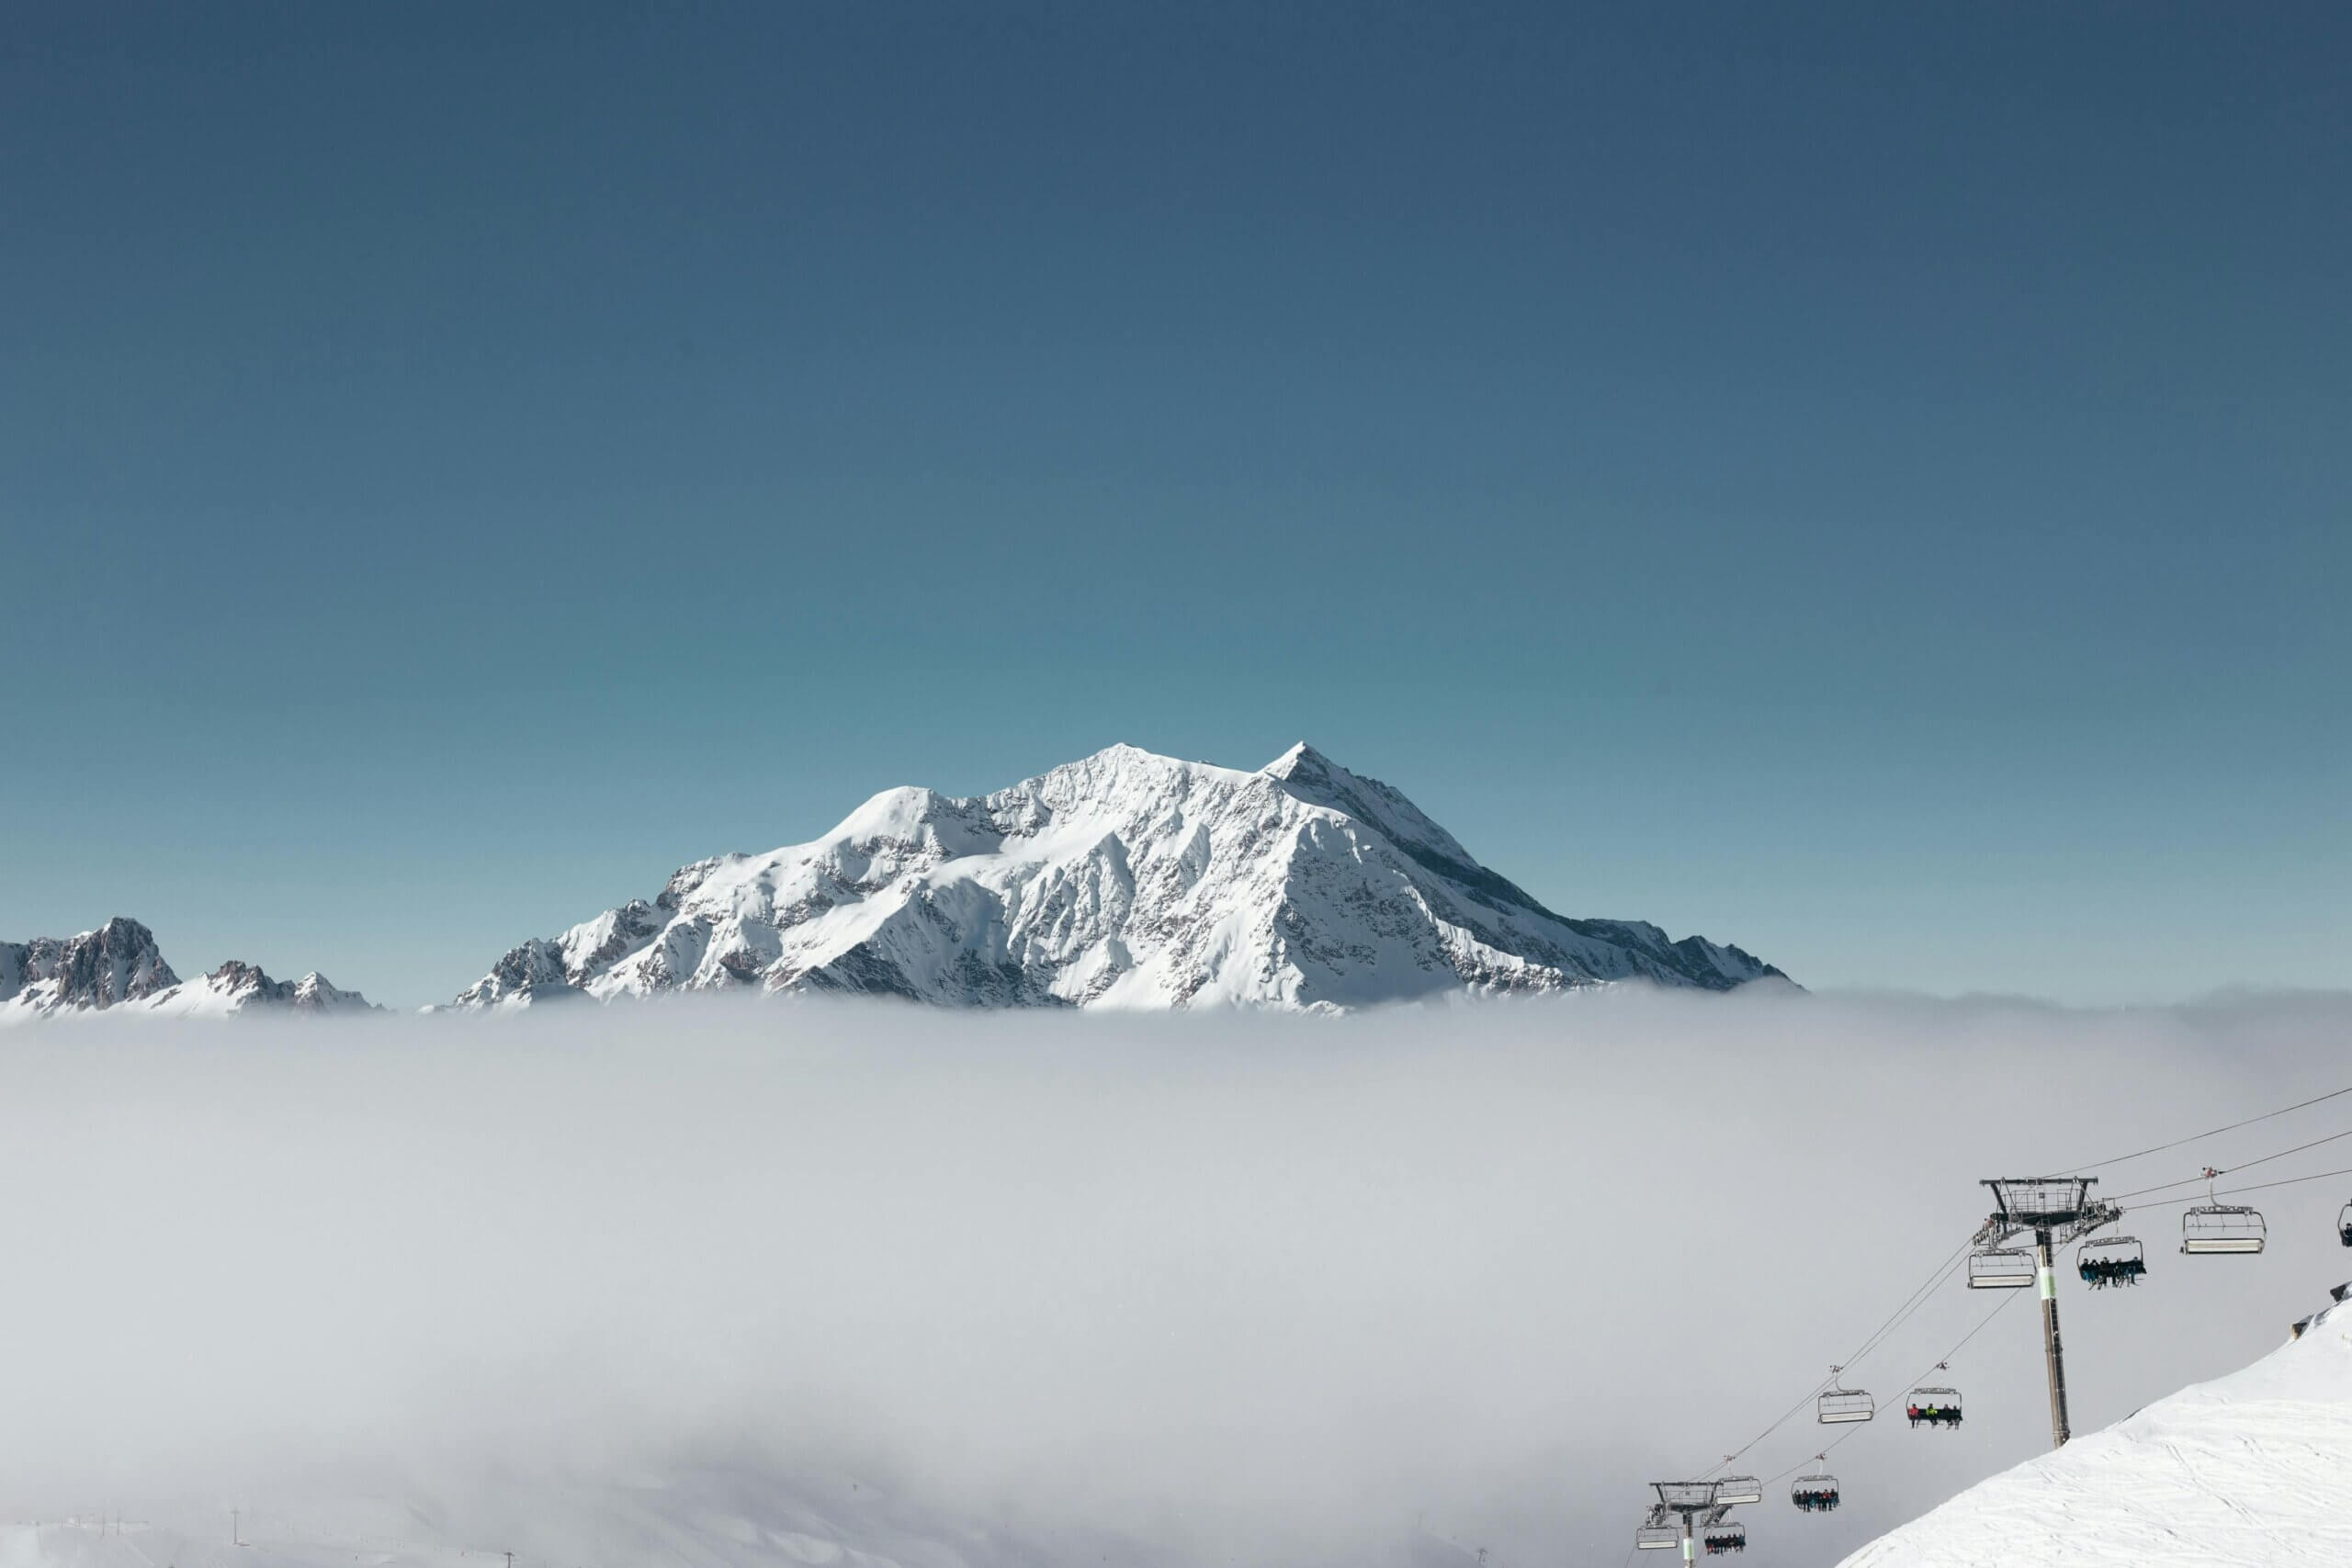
(1121, 880)
(2254, 1468)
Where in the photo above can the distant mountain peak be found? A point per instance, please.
(1122, 879)
(118, 969)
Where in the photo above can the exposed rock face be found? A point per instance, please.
(1124, 879)
(116, 964)
(119, 968)
(236, 988)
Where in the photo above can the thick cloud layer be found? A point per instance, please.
(1244, 1288)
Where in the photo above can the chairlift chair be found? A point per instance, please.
(1814, 1493)
(1735, 1489)
(1933, 1407)
(2214, 1227)
(2002, 1269)
(2344, 1224)
(1727, 1537)
(1658, 1537)
(2222, 1227)
(2110, 1260)
(1842, 1405)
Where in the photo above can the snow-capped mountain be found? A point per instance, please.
(2253, 1468)
(237, 987)
(118, 968)
(1124, 879)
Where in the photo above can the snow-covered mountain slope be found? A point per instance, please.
(2254, 1468)
(118, 969)
(1124, 879)
(236, 988)
(116, 964)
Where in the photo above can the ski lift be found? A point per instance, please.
(2002, 1269)
(1842, 1405)
(2221, 1227)
(1655, 1534)
(2110, 1260)
(1726, 1537)
(1816, 1493)
(2344, 1224)
(1735, 1489)
(1934, 1407)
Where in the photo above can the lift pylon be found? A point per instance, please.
(2056, 1209)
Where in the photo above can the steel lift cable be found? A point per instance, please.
(2214, 1132)
(2234, 1169)
(1911, 1303)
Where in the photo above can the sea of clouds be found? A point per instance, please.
(1222, 1288)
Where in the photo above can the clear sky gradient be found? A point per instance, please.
(1871, 483)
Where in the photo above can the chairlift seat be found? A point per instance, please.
(2002, 1269)
(1841, 1406)
(1735, 1489)
(1657, 1537)
(2222, 1228)
(1944, 1402)
(2111, 1260)
(1814, 1493)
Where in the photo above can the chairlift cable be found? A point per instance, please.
(1943, 1271)
(2007, 1298)
(2215, 1132)
(1919, 1295)
(1911, 1303)
(1951, 1267)
(2257, 1187)
(1809, 1396)
(2245, 1165)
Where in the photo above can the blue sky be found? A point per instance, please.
(1869, 483)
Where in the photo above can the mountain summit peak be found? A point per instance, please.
(118, 970)
(1123, 879)
(1300, 757)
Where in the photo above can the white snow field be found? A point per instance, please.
(2249, 1470)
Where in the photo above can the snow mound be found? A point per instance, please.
(2254, 1468)
(1121, 880)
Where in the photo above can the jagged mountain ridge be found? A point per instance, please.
(1124, 879)
(119, 968)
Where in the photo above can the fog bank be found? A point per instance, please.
(1241, 1288)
